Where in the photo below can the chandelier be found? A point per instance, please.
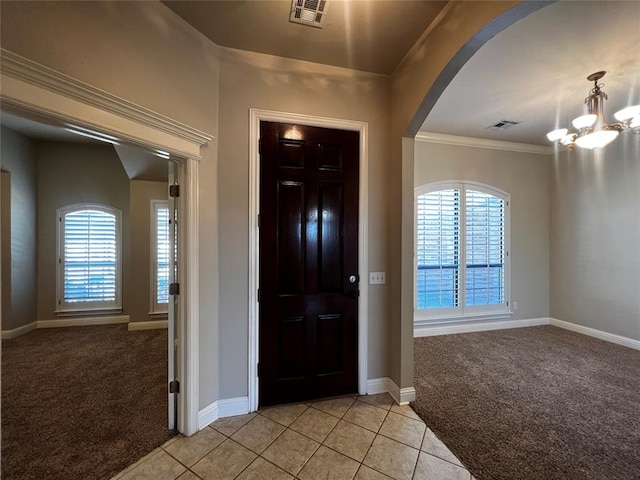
(593, 130)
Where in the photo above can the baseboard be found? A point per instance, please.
(592, 332)
(229, 407)
(149, 325)
(226, 407)
(66, 322)
(83, 322)
(387, 385)
(480, 326)
(407, 395)
(16, 332)
(207, 415)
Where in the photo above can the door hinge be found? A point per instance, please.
(258, 220)
(258, 369)
(258, 295)
(174, 191)
(260, 147)
(174, 289)
(174, 386)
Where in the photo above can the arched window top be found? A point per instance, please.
(458, 184)
(461, 250)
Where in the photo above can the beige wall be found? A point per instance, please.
(595, 237)
(19, 157)
(249, 80)
(458, 31)
(5, 246)
(68, 174)
(143, 52)
(139, 293)
(525, 177)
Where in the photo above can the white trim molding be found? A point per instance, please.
(83, 321)
(65, 322)
(30, 88)
(442, 138)
(599, 334)
(148, 325)
(226, 407)
(255, 117)
(16, 332)
(22, 68)
(478, 326)
(207, 415)
(387, 385)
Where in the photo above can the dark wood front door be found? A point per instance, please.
(308, 262)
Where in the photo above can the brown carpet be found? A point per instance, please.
(83, 402)
(537, 403)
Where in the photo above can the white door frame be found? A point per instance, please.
(34, 88)
(256, 116)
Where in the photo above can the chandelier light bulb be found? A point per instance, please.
(627, 113)
(597, 139)
(635, 123)
(584, 121)
(557, 134)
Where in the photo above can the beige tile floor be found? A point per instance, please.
(363, 438)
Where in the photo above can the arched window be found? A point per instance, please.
(89, 259)
(462, 251)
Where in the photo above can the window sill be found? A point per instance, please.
(159, 315)
(421, 321)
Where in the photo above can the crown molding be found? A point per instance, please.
(442, 138)
(26, 70)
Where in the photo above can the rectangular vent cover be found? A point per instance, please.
(308, 12)
(502, 125)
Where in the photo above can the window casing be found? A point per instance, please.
(160, 257)
(89, 266)
(461, 252)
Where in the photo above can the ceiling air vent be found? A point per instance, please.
(308, 12)
(502, 125)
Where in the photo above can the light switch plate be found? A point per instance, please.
(376, 278)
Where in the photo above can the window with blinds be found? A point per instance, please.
(160, 256)
(89, 258)
(461, 250)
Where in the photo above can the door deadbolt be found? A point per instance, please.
(353, 279)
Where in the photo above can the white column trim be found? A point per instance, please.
(38, 90)
(255, 117)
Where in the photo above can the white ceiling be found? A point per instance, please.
(535, 72)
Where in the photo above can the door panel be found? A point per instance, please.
(308, 250)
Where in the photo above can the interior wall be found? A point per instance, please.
(70, 173)
(526, 178)
(141, 193)
(595, 237)
(143, 52)
(5, 245)
(18, 154)
(457, 32)
(250, 80)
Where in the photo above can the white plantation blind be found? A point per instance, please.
(461, 250)
(89, 243)
(438, 249)
(485, 248)
(162, 254)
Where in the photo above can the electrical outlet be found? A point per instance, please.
(376, 278)
(515, 305)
